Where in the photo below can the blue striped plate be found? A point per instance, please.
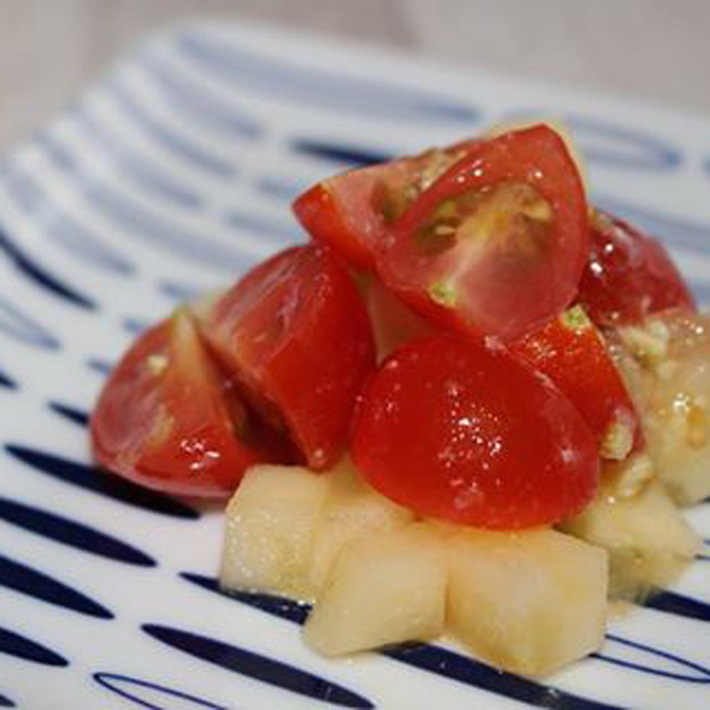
(171, 175)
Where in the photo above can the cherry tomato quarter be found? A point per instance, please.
(629, 275)
(351, 212)
(464, 432)
(573, 354)
(295, 334)
(497, 244)
(169, 420)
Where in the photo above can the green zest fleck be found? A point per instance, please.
(576, 319)
(443, 293)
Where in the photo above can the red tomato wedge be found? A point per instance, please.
(295, 334)
(351, 212)
(572, 353)
(464, 432)
(167, 419)
(497, 244)
(629, 275)
(393, 323)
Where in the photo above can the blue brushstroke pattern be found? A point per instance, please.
(320, 88)
(69, 532)
(179, 292)
(465, 670)
(40, 275)
(280, 188)
(98, 365)
(77, 416)
(136, 168)
(137, 222)
(38, 585)
(19, 646)
(264, 229)
(21, 327)
(685, 233)
(135, 325)
(636, 149)
(5, 702)
(172, 142)
(426, 657)
(702, 674)
(7, 381)
(271, 604)
(106, 484)
(129, 688)
(71, 236)
(339, 153)
(256, 666)
(199, 104)
(680, 605)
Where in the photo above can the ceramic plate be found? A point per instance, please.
(173, 175)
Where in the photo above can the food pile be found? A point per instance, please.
(471, 404)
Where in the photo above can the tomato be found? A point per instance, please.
(464, 432)
(295, 334)
(393, 323)
(497, 244)
(351, 212)
(628, 275)
(166, 417)
(572, 353)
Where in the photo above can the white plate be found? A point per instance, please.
(173, 175)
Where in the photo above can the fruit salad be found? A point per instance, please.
(470, 406)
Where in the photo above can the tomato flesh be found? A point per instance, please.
(497, 244)
(464, 432)
(295, 334)
(572, 353)
(351, 212)
(168, 419)
(629, 275)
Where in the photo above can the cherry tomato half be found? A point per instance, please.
(464, 432)
(628, 275)
(572, 353)
(351, 212)
(295, 334)
(167, 418)
(497, 244)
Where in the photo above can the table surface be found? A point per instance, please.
(646, 49)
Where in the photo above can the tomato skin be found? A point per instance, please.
(629, 275)
(167, 419)
(464, 432)
(572, 353)
(295, 334)
(488, 290)
(393, 323)
(351, 212)
(347, 225)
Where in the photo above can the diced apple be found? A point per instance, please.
(648, 540)
(383, 589)
(667, 368)
(527, 602)
(270, 526)
(352, 509)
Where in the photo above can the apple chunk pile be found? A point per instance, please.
(528, 601)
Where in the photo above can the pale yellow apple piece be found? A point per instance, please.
(527, 602)
(352, 509)
(384, 588)
(270, 525)
(648, 540)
